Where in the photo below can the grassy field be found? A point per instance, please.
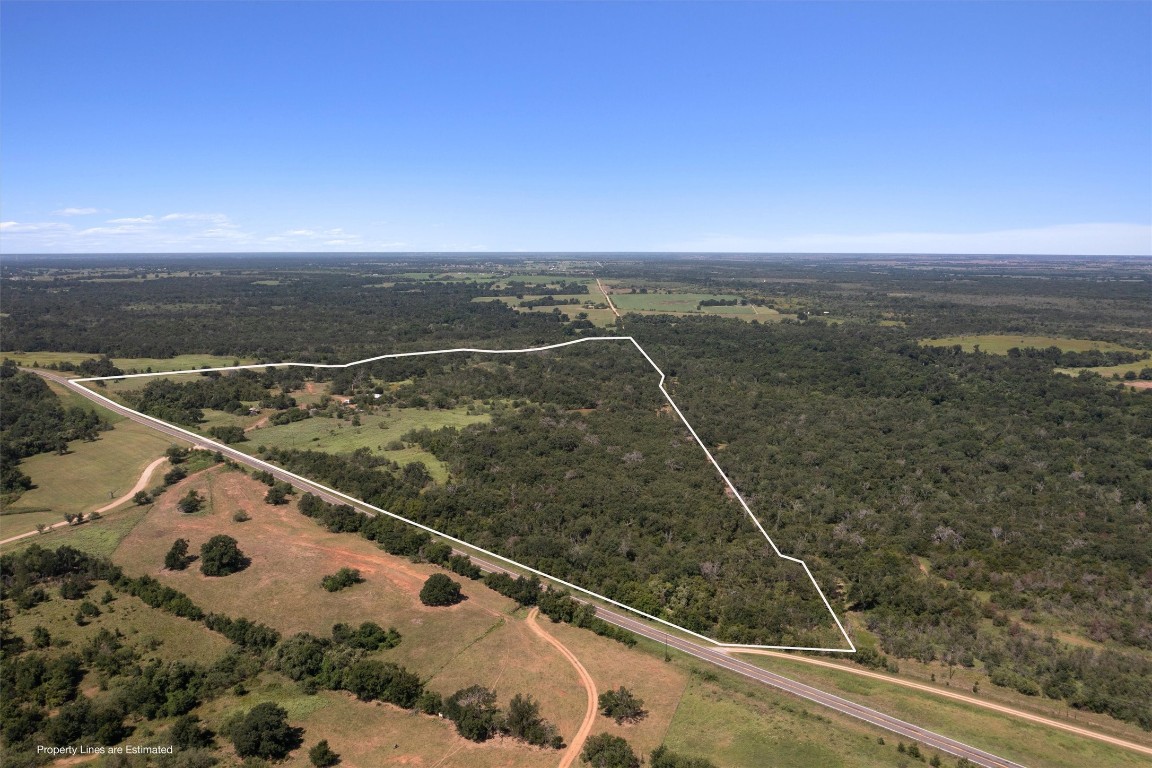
(83, 480)
(178, 363)
(743, 728)
(999, 344)
(1108, 371)
(477, 641)
(375, 432)
(676, 302)
(154, 633)
(1027, 743)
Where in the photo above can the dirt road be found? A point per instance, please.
(577, 742)
(141, 484)
(607, 298)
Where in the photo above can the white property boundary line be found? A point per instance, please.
(203, 441)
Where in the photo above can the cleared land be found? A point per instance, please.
(1018, 740)
(178, 363)
(737, 728)
(375, 432)
(157, 635)
(678, 302)
(999, 344)
(83, 480)
(477, 641)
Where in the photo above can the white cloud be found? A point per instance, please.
(75, 211)
(133, 220)
(1089, 239)
(40, 226)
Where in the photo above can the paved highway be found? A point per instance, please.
(698, 650)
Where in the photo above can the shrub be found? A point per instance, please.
(343, 578)
(190, 502)
(621, 705)
(322, 755)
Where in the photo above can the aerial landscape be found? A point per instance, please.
(481, 384)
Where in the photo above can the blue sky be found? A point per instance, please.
(778, 127)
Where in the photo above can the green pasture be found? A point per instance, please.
(178, 363)
(999, 344)
(676, 302)
(737, 730)
(155, 634)
(1013, 738)
(1108, 371)
(87, 478)
(375, 433)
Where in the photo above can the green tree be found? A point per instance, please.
(322, 755)
(187, 733)
(141, 498)
(524, 722)
(177, 558)
(220, 556)
(190, 502)
(607, 751)
(440, 590)
(474, 712)
(264, 732)
(621, 705)
(41, 638)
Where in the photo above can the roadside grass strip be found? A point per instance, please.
(227, 450)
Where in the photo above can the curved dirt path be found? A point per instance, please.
(1002, 708)
(141, 484)
(581, 736)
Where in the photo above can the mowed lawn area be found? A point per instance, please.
(86, 478)
(375, 432)
(999, 344)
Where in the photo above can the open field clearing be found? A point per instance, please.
(83, 480)
(999, 344)
(97, 537)
(155, 634)
(479, 641)
(375, 433)
(733, 728)
(376, 735)
(1108, 371)
(676, 302)
(178, 363)
(1015, 739)
(658, 683)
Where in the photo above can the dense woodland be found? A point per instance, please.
(32, 421)
(964, 504)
